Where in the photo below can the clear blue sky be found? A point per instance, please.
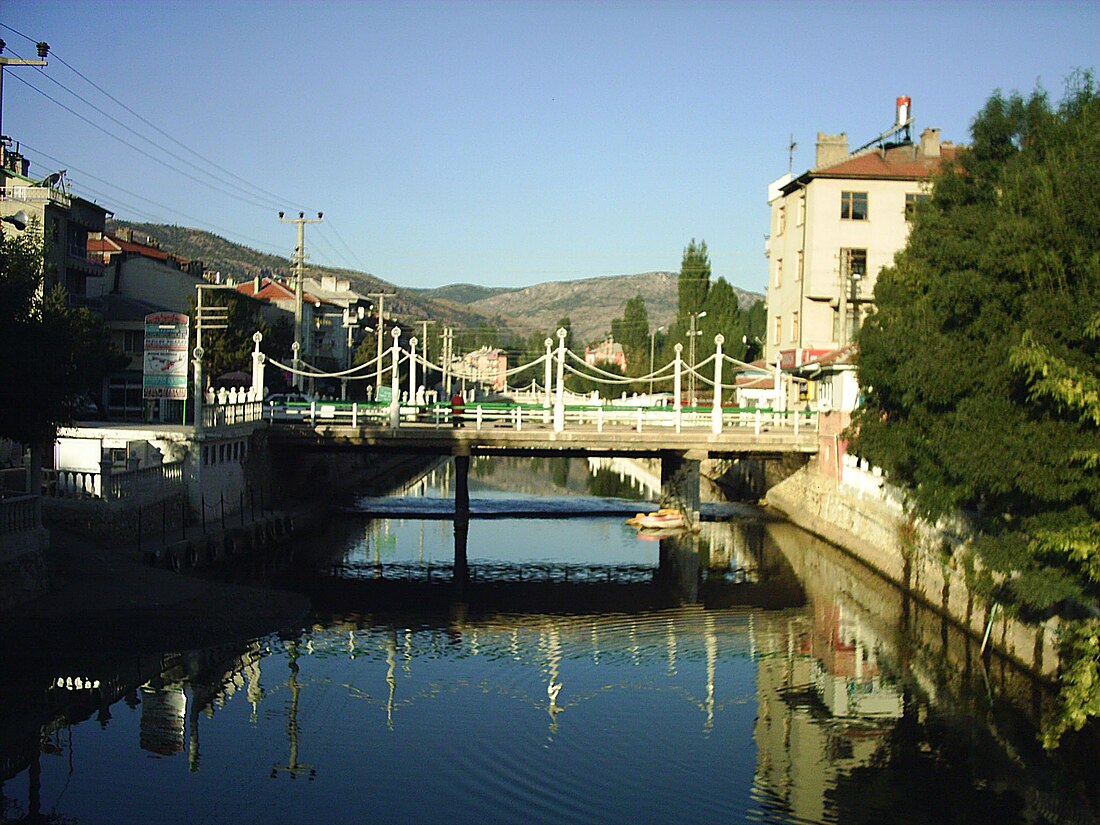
(501, 143)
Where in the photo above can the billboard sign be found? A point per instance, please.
(165, 371)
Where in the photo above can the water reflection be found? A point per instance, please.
(578, 674)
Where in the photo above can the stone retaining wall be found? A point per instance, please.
(877, 531)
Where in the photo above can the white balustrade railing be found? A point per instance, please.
(20, 513)
(144, 482)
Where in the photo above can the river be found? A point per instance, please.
(571, 671)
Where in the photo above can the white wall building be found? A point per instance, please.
(833, 228)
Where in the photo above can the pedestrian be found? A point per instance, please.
(458, 407)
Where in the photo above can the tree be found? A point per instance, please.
(694, 281)
(981, 364)
(230, 349)
(54, 353)
(632, 332)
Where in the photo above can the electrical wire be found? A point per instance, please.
(276, 199)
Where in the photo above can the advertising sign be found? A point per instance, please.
(165, 372)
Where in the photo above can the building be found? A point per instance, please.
(64, 220)
(139, 278)
(606, 352)
(834, 227)
(486, 366)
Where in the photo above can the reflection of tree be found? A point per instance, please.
(921, 754)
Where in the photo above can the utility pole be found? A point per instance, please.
(381, 296)
(43, 51)
(424, 338)
(301, 220)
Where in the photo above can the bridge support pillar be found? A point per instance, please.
(680, 481)
(462, 518)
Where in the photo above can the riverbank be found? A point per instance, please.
(864, 517)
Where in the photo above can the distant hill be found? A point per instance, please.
(591, 304)
(242, 263)
(463, 293)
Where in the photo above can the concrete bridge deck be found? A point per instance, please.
(542, 440)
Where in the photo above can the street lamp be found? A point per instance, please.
(19, 220)
(692, 335)
(652, 339)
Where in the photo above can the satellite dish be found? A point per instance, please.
(51, 180)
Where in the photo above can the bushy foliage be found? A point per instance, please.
(53, 353)
(981, 365)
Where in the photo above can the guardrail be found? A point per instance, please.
(146, 482)
(20, 513)
(518, 416)
(226, 415)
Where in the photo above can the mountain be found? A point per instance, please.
(590, 304)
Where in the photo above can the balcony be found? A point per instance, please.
(36, 195)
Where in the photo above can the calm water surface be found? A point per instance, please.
(577, 674)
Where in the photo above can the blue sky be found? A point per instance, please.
(500, 143)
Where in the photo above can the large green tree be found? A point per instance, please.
(981, 365)
(53, 353)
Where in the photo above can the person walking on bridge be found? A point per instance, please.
(458, 408)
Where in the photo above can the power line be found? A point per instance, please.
(260, 245)
(139, 150)
(276, 199)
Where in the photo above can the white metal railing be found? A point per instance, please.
(519, 416)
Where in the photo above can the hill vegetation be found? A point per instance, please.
(497, 316)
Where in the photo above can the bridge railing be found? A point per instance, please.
(482, 415)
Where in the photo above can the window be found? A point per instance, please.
(911, 201)
(853, 206)
(801, 214)
(778, 272)
(794, 327)
(781, 219)
(778, 328)
(853, 264)
(133, 340)
(800, 271)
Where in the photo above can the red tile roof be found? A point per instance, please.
(275, 291)
(110, 245)
(900, 162)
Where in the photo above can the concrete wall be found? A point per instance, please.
(868, 520)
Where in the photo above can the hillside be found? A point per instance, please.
(591, 304)
(240, 262)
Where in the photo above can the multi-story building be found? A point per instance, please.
(139, 278)
(64, 221)
(834, 227)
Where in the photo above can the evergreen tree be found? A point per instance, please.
(693, 285)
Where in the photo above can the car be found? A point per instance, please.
(283, 398)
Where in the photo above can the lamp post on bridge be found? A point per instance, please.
(652, 343)
(559, 402)
(691, 341)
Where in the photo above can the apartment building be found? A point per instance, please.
(63, 220)
(834, 227)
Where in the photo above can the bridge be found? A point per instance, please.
(545, 420)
